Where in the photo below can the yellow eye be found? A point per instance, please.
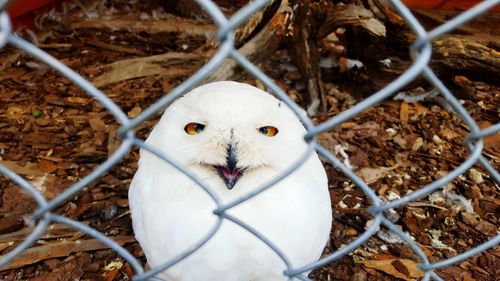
(269, 131)
(194, 128)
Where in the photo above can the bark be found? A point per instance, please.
(352, 16)
(255, 47)
(172, 64)
(259, 46)
(175, 24)
(309, 15)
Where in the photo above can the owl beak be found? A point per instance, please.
(230, 173)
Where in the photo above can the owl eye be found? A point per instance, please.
(194, 128)
(269, 131)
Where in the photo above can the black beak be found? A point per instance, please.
(230, 173)
(231, 158)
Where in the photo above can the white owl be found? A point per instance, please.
(235, 138)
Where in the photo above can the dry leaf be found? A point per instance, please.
(46, 167)
(400, 268)
(14, 167)
(99, 128)
(492, 141)
(97, 124)
(371, 175)
(467, 265)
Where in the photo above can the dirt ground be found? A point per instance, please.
(53, 134)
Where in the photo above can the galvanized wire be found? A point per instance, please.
(420, 51)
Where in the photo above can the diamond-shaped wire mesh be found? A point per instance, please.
(421, 53)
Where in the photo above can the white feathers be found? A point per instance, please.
(231, 153)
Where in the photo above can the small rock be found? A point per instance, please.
(389, 236)
(392, 215)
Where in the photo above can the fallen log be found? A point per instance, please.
(452, 55)
(258, 47)
(173, 64)
(175, 24)
(466, 55)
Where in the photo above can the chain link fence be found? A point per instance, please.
(421, 54)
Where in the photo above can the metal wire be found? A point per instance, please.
(421, 52)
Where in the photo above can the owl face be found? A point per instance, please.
(230, 129)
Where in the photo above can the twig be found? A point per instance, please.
(113, 47)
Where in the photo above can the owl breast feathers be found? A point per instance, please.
(234, 138)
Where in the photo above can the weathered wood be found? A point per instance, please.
(309, 16)
(54, 231)
(260, 46)
(465, 55)
(256, 22)
(114, 47)
(470, 50)
(384, 11)
(452, 55)
(174, 24)
(352, 16)
(172, 64)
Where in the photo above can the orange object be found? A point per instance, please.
(457, 5)
(21, 7)
(21, 11)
